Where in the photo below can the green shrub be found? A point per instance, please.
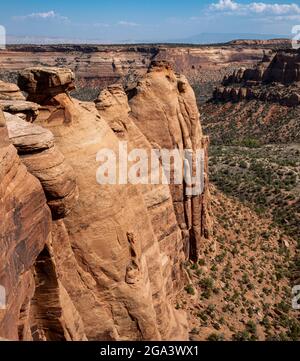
(190, 289)
(215, 337)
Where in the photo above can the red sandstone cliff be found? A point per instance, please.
(108, 264)
(273, 80)
(99, 66)
(37, 305)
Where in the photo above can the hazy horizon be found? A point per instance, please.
(156, 22)
(200, 39)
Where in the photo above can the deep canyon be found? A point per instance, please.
(84, 261)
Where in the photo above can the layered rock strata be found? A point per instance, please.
(9, 91)
(50, 88)
(273, 80)
(163, 106)
(36, 305)
(109, 263)
(121, 273)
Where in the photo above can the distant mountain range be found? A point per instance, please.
(203, 38)
(212, 38)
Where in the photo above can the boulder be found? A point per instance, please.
(26, 110)
(10, 91)
(38, 152)
(42, 82)
(50, 88)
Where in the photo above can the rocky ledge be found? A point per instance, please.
(273, 80)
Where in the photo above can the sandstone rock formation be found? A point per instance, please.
(113, 105)
(9, 91)
(175, 124)
(110, 264)
(49, 87)
(25, 237)
(25, 228)
(42, 158)
(121, 273)
(24, 109)
(275, 80)
(284, 68)
(12, 100)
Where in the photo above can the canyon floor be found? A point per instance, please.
(241, 289)
(254, 165)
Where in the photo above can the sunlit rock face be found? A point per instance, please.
(274, 80)
(37, 306)
(163, 106)
(108, 261)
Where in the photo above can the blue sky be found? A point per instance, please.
(148, 20)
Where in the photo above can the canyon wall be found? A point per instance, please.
(274, 79)
(25, 228)
(261, 103)
(37, 306)
(99, 66)
(83, 260)
(163, 106)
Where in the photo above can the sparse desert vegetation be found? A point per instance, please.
(266, 178)
(242, 291)
(243, 284)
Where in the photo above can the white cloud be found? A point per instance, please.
(259, 8)
(127, 23)
(225, 5)
(43, 15)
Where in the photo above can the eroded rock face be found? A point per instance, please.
(284, 68)
(108, 255)
(13, 101)
(113, 263)
(164, 108)
(274, 80)
(9, 91)
(128, 248)
(55, 316)
(50, 87)
(37, 305)
(26, 137)
(113, 106)
(24, 229)
(42, 83)
(24, 109)
(42, 158)
(97, 66)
